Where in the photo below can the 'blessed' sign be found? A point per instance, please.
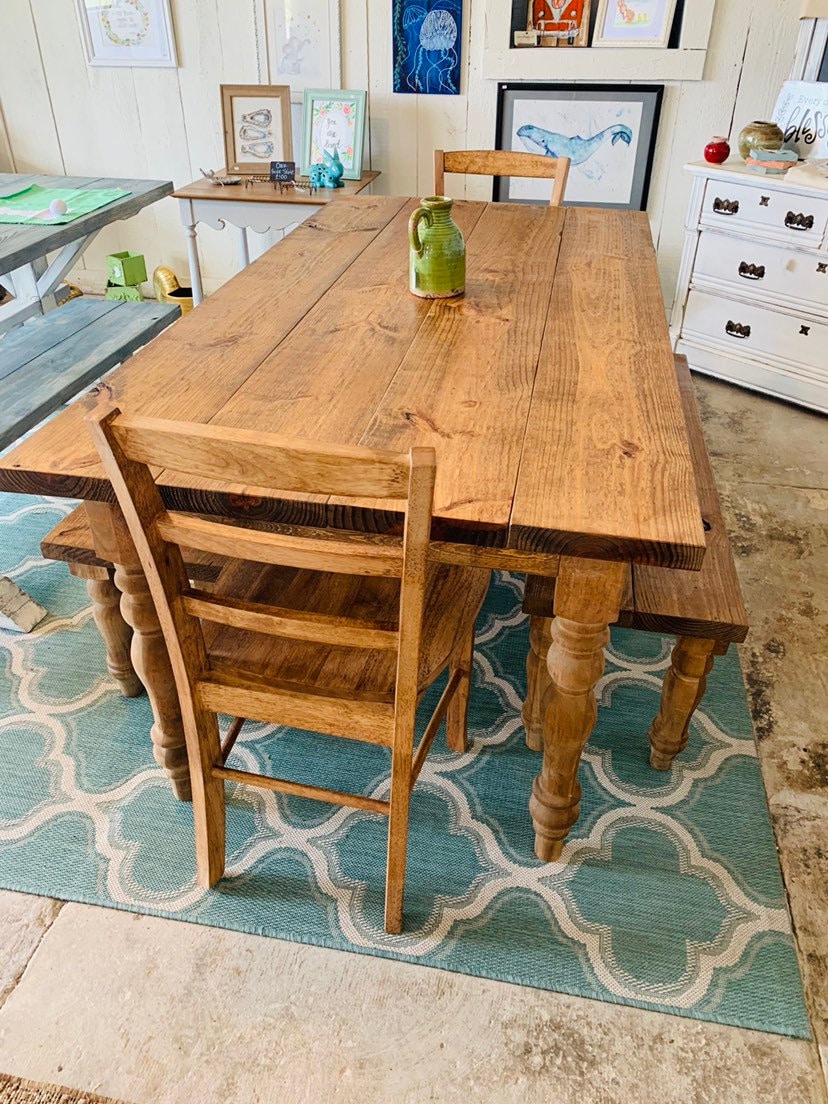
(802, 113)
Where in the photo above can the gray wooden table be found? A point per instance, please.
(25, 270)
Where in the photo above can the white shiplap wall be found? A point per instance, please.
(60, 116)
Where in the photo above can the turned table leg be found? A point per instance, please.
(682, 690)
(149, 652)
(115, 632)
(588, 597)
(537, 679)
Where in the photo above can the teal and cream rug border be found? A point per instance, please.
(669, 895)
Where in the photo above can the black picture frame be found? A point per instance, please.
(642, 144)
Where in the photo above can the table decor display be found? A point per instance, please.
(427, 38)
(437, 254)
(305, 44)
(642, 23)
(35, 205)
(257, 126)
(328, 174)
(334, 121)
(127, 33)
(759, 135)
(717, 150)
(216, 178)
(607, 131)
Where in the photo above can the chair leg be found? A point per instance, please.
(457, 717)
(209, 806)
(537, 678)
(682, 690)
(398, 837)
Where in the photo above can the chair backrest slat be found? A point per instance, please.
(263, 460)
(319, 628)
(502, 163)
(351, 555)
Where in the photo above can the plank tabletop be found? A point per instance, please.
(21, 245)
(548, 391)
(265, 192)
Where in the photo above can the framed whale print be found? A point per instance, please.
(608, 132)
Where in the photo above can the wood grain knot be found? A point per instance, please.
(630, 449)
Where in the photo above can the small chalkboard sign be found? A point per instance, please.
(282, 171)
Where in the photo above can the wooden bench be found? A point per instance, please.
(703, 609)
(49, 360)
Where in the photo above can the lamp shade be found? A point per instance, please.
(814, 9)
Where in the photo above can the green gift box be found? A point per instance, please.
(123, 294)
(126, 269)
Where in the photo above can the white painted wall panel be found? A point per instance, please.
(167, 123)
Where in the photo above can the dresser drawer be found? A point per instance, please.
(781, 216)
(766, 272)
(750, 330)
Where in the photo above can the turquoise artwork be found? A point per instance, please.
(668, 895)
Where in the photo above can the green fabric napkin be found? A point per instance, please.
(25, 207)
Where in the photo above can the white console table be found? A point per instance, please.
(260, 207)
(751, 304)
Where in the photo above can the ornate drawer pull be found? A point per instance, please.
(736, 329)
(822, 267)
(751, 271)
(725, 206)
(799, 222)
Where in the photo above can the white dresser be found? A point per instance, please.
(751, 304)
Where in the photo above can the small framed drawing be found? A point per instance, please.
(304, 38)
(334, 119)
(127, 32)
(608, 131)
(640, 23)
(256, 126)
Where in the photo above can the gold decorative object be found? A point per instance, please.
(168, 290)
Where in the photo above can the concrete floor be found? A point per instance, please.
(154, 1012)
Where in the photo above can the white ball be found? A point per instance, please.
(57, 207)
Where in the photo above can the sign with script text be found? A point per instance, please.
(802, 113)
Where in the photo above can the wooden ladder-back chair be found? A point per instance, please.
(327, 631)
(502, 163)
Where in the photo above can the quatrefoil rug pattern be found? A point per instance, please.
(668, 897)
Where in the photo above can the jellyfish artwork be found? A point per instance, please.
(436, 57)
(425, 47)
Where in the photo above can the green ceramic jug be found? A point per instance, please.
(438, 253)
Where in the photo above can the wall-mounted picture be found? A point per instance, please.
(127, 32)
(560, 24)
(304, 40)
(634, 23)
(607, 131)
(256, 126)
(427, 38)
(334, 120)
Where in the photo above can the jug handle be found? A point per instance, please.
(414, 228)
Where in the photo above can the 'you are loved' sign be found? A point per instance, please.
(802, 113)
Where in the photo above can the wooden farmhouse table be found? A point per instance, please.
(549, 393)
(25, 269)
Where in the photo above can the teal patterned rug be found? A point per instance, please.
(670, 896)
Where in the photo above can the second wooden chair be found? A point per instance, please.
(332, 632)
(502, 163)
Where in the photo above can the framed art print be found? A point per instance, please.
(304, 38)
(640, 23)
(256, 126)
(127, 32)
(334, 119)
(427, 38)
(607, 131)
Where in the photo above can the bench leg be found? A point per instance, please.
(115, 632)
(537, 679)
(682, 690)
(148, 650)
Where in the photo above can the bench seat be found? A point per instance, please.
(49, 360)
